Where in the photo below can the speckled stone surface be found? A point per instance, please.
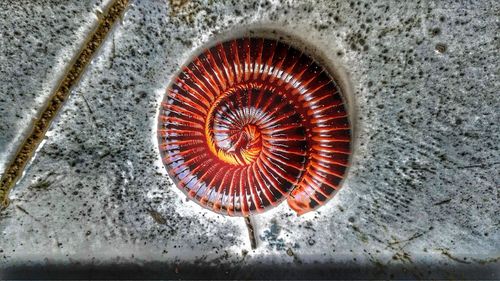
(37, 41)
(420, 200)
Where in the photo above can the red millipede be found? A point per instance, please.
(251, 122)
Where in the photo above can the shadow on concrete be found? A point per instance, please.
(157, 270)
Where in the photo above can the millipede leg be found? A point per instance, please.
(251, 232)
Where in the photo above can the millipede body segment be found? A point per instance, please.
(251, 122)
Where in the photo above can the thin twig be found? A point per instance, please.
(251, 232)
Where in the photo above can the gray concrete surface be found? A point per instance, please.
(38, 39)
(421, 198)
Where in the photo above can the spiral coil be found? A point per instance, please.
(251, 122)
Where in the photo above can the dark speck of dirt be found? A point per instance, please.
(435, 32)
(440, 48)
(140, 96)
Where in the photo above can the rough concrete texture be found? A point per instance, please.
(421, 198)
(38, 39)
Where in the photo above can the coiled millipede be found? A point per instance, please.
(251, 122)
